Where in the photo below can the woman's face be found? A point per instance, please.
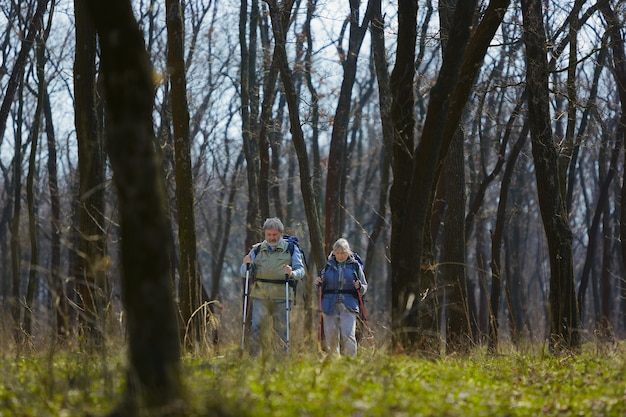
(341, 255)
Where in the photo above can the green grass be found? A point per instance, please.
(592, 383)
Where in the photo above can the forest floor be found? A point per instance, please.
(375, 383)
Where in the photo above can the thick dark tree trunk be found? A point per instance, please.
(405, 234)
(154, 367)
(456, 307)
(458, 337)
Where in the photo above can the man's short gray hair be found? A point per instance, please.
(274, 223)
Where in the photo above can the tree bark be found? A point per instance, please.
(456, 308)
(619, 60)
(565, 324)
(337, 156)
(91, 284)
(249, 105)
(154, 368)
(458, 337)
(189, 284)
(16, 249)
(405, 234)
(415, 177)
(496, 242)
(31, 287)
(60, 296)
(279, 14)
(384, 103)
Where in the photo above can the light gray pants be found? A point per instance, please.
(340, 331)
(268, 325)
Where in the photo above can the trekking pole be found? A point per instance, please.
(362, 306)
(245, 306)
(320, 310)
(320, 330)
(287, 309)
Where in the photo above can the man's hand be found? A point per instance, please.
(288, 270)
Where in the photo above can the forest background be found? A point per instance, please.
(471, 153)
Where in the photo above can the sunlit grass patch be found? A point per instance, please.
(388, 385)
(308, 384)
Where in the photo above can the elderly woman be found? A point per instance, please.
(340, 280)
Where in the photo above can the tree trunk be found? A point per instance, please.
(337, 156)
(280, 14)
(31, 287)
(619, 72)
(405, 234)
(249, 105)
(314, 122)
(91, 284)
(16, 250)
(154, 368)
(593, 233)
(458, 337)
(189, 284)
(456, 307)
(60, 298)
(384, 103)
(496, 241)
(266, 130)
(565, 325)
(415, 178)
(34, 27)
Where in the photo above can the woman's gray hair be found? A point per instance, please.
(274, 223)
(342, 243)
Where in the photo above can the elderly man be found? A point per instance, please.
(273, 261)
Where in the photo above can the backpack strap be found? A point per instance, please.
(290, 247)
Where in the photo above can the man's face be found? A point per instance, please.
(272, 237)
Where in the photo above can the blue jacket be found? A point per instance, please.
(338, 284)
